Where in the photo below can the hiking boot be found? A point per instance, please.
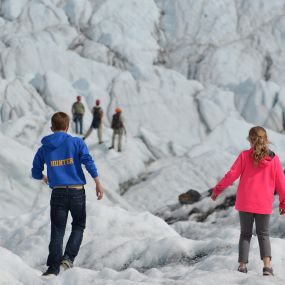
(66, 264)
(111, 147)
(242, 269)
(267, 271)
(51, 271)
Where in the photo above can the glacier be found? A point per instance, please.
(191, 77)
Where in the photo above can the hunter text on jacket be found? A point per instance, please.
(61, 162)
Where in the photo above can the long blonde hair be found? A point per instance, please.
(257, 136)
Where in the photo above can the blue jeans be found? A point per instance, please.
(78, 120)
(62, 201)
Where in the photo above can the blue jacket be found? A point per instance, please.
(63, 156)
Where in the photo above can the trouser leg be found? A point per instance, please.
(88, 132)
(58, 216)
(246, 224)
(120, 140)
(76, 124)
(262, 232)
(81, 124)
(99, 133)
(78, 212)
(113, 138)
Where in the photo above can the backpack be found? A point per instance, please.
(117, 122)
(97, 117)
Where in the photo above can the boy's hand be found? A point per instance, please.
(99, 191)
(214, 196)
(99, 188)
(281, 211)
(45, 179)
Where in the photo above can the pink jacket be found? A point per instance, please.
(255, 193)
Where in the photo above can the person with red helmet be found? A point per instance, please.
(78, 111)
(96, 122)
(118, 128)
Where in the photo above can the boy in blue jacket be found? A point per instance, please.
(63, 156)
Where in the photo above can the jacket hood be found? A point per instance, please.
(55, 140)
(267, 159)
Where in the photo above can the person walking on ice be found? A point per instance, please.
(260, 173)
(78, 111)
(96, 122)
(63, 156)
(118, 128)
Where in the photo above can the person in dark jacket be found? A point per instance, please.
(118, 128)
(78, 111)
(96, 122)
(63, 156)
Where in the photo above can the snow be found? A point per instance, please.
(216, 106)
(166, 179)
(78, 12)
(192, 77)
(11, 9)
(130, 33)
(240, 42)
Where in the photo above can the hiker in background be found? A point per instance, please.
(96, 122)
(118, 128)
(260, 172)
(78, 111)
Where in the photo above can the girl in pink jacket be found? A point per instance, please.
(260, 173)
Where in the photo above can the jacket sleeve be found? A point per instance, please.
(231, 176)
(86, 159)
(280, 183)
(38, 165)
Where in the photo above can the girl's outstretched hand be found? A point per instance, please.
(214, 196)
(281, 211)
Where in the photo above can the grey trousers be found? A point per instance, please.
(262, 232)
(120, 133)
(99, 133)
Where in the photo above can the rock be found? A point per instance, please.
(190, 197)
